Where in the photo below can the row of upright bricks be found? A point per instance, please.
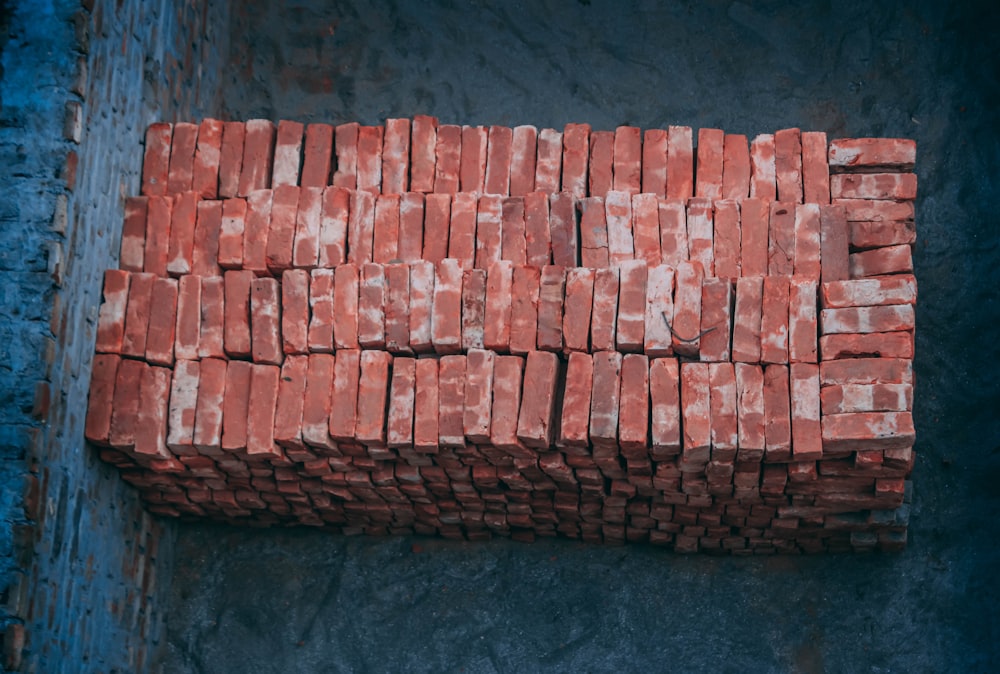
(471, 331)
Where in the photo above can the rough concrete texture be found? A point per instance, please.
(278, 601)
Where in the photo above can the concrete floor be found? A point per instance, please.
(304, 601)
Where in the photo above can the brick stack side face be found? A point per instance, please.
(721, 362)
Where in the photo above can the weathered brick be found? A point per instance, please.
(436, 227)
(723, 403)
(629, 335)
(536, 420)
(473, 308)
(423, 145)
(696, 414)
(763, 178)
(183, 219)
(807, 443)
(236, 406)
(880, 261)
(866, 371)
(716, 319)
(255, 231)
(788, 164)
(727, 239)
(899, 153)
(156, 159)
(869, 292)
(396, 156)
(346, 291)
(308, 224)
(710, 163)
(685, 325)
(371, 307)
(287, 153)
(425, 407)
(747, 319)
(700, 234)
(551, 292)
(421, 296)
(633, 413)
(151, 419)
(207, 158)
(548, 166)
(496, 328)
(472, 171)
(133, 243)
(258, 156)
(162, 322)
(498, 160)
(231, 233)
(231, 159)
(137, 312)
(478, 395)
(525, 286)
(894, 186)
(781, 239)
(260, 422)
(604, 408)
(373, 390)
(815, 171)
(807, 244)
(411, 226)
(446, 320)
(604, 315)
(157, 241)
(317, 156)
(211, 339)
(370, 140)
(628, 159)
(567, 241)
(290, 403)
(575, 418)
(871, 345)
(111, 317)
(448, 158)
(281, 229)
(680, 162)
(237, 313)
(659, 311)
(847, 398)
(319, 334)
(750, 412)
(451, 393)
(462, 235)
(735, 167)
(774, 320)
(385, 233)
(402, 392)
(294, 311)
(593, 233)
(513, 232)
(397, 308)
(654, 163)
(890, 318)
(576, 146)
(207, 436)
(489, 236)
(577, 307)
(104, 372)
(777, 414)
(870, 430)
(346, 146)
(344, 400)
(802, 324)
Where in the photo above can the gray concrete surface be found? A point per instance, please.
(304, 601)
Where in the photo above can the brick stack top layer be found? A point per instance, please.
(471, 331)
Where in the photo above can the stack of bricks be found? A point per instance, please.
(472, 331)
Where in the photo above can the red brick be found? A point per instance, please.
(269, 302)
(880, 261)
(399, 420)
(716, 319)
(807, 443)
(472, 172)
(125, 404)
(618, 212)
(397, 308)
(151, 419)
(754, 237)
(396, 157)
(863, 235)
(489, 236)
(685, 323)
(577, 307)
(133, 234)
(633, 414)
(182, 408)
(750, 412)
(421, 296)
(496, 326)
(295, 303)
(111, 318)
(700, 234)
(807, 228)
(630, 333)
(237, 308)
(320, 312)
(575, 417)
(525, 288)
(287, 153)
(847, 398)
(673, 232)
(680, 162)
(763, 181)
(263, 401)
(548, 166)
(834, 264)
(868, 430)
(774, 320)
(97, 426)
(385, 247)
(507, 376)
(654, 162)
(566, 241)
(372, 393)
(188, 325)
(208, 225)
(604, 315)
(723, 403)
(726, 245)
(462, 237)
(370, 159)
(871, 345)
(536, 421)
(361, 227)
(867, 319)
(604, 407)
(236, 406)
(498, 160)
(747, 319)
(815, 171)
(777, 414)
(576, 149)
(316, 156)
(281, 229)
(872, 210)
(411, 227)
(256, 223)
(425, 408)
(658, 311)
(344, 395)
(697, 416)
(308, 223)
(478, 395)
(156, 159)
(290, 403)
(899, 153)
(211, 339)
(866, 371)
(451, 394)
(802, 325)
(437, 214)
(646, 229)
(231, 158)
(208, 416)
(231, 233)
(422, 151)
(162, 321)
(448, 154)
(157, 238)
(371, 307)
(473, 308)
(180, 249)
(628, 159)
(205, 168)
(593, 233)
(346, 147)
(258, 156)
(665, 411)
(513, 234)
(788, 164)
(345, 307)
(137, 310)
(552, 289)
(781, 239)
(710, 163)
(870, 292)
(524, 143)
(735, 167)
(446, 318)
(601, 170)
(897, 186)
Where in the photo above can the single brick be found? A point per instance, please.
(710, 163)
(862, 235)
(281, 229)
(104, 372)
(475, 147)
(370, 140)
(397, 308)
(473, 308)
(525, 286)
(870, 430)
(344, 395)
(396, 156)
(513, 234)
(834, 265)
(207, 229)
(385, 247)
(137, 311)
(423, 145)
(411, 227)
(807, 442)
(446, 312)
(754, 238)
(869, 292)
(183, 407)
(630, 333)
(700, 234)
(448, 157)
(716, 319)
(633, 413)
(151, 419)
(263, 401)
(548, 167)
(231, 159)
(538, 243)
(735, 167)
(478, 395)
(618, 212)
(566, 239)
(536, 420)
(308, 223)
(593, 233)
(373, 390)
(425, 407)
(451, 394)
(211, 339)
(576, 146)
(815, 171)
(881, 261)
(317, 156)
(156, 159)
(781, 239)
(866, 371)
(524, 143)
(604, 407)
(346, 147)
(871, 345)
(255, 231)
(421, 307)
(207, 436)
(489, 236)
(436, 227)
(723, 404)
(680, 162)
(777, 414)
(747, 319)
(685, 323)
(187, 329)
(498, 160)
(895, 186)
(371, 307)
(726, 244)
(867, 319)
(295, 301)
(750, 412)
(269, 301)
(402, 391)
(646, 228)
(601, 170)
(696, 413)
(157, 241)
(847, 398)
(628, 159)
(654, 163)
(659, 311)
(111, 317)
(807, 233)
(207, 157)
(183, 220)
(231, 233)
(346, 284)
(133, 244)
(551, 291)
(788, 164)
(774, 320)
(763, 178)
(899, 153)
(604, 315)
(237, 313)
(236, 406)
(496, 326)
(665, 410)
(125, 404)
(162, 322)
(673, 232)
(258, 156)
(290, 403)
(577, 307)
(575, 418)
(462, 235)
(802, 325)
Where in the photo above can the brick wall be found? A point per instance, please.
(79, 557)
